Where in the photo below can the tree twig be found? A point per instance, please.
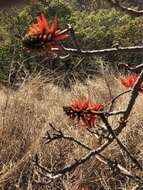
(102, 52)
(122, 146)
(133, 69)
(115, 98)
(134, 95)
(101, 158)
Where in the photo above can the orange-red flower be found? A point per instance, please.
(89, 119)
(84, 112)
(79, 106)
(96, 107)
(40, 34)
(130, 82)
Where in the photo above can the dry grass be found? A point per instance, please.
(25, 115)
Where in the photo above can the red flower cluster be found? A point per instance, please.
(130, 82)
(84, 112)
(40, 34)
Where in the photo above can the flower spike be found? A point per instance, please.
(84, 112)
(45, 24)
(53, 27)
(130, 82)
(40, 35)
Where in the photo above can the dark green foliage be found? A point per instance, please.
(94, 30)
(103, 28)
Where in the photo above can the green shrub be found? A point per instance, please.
(103, 28)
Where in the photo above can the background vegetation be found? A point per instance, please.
(95, 29)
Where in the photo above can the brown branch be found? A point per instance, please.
(107, 113)
(122, 146)
(113, 113)
(133, 69)
(115, 98)
(112, 164)
(71, 167)
(60, 135)
(103, 159)
(102, 52)
(57, 174)
(134, 95)
(94, 152)
(116, 4)
(126, 115)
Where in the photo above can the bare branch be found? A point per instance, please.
(71, 167)
(60, 135)
(122, 146)
(107, 113)
(116, 4)
(102, 52)
(115, 98)
(112, 164)
(134, 95)
(113, 113)
(134, 69)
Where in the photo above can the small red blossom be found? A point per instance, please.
(84, 112)
(78, 105)
(130, 82)
(88, 121)
(40, 34)
(96, 107)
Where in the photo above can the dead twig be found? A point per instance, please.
(133, 69)
(115, 98)
(55, 174)
(122, 146)
(102, 52)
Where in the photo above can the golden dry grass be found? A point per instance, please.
(25, 115)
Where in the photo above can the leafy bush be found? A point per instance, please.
(103, 28)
